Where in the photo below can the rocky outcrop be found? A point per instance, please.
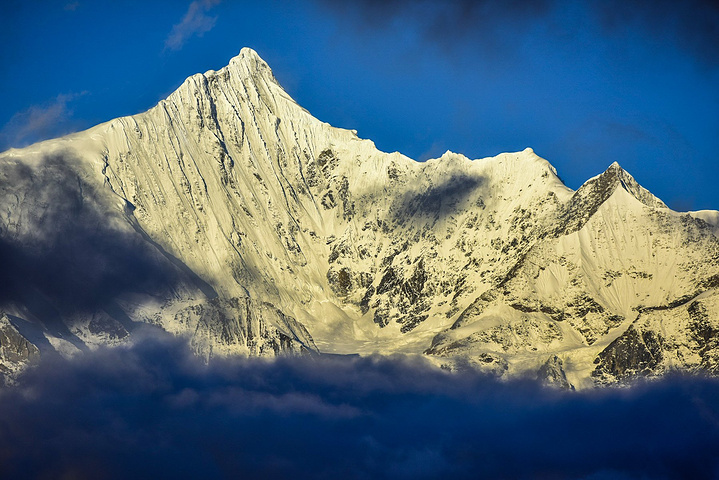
(241, 326)
(680, 336)
(552, 373)
(635, 353)
(16, 352)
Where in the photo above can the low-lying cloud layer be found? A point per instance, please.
(153, 411)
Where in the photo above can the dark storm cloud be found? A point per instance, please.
(458, 15)
(152, 411)
(61, 247)
(692, 25)
(448, 24)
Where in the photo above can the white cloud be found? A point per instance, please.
(195, 22)
(38, 122)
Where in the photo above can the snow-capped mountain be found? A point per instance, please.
(229, 214)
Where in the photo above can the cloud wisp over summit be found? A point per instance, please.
(153, 409)
(195, 22)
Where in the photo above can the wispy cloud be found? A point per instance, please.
(39, 122)
(195, 22)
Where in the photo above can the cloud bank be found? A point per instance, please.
(151, 410)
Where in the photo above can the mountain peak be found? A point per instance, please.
(246, 74)
(248, 52)
(597, 190)
(249, 60)
(239, 210)
(618, 177)
(602, 186)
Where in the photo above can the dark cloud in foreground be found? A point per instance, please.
(60, 242)
(152, 411)
(692, 25)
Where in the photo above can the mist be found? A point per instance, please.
(59, 244)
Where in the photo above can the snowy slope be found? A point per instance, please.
(263, 230)
(581, 287)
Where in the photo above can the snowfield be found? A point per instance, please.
(230, 215)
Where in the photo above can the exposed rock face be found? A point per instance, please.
(552, 373)
(240, 326)
(634, 353)
(680, 336)
(229, 214)
(16, 352)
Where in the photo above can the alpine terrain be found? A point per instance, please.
(230, 215)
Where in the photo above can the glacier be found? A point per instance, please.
(229, 215)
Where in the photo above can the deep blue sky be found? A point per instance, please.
(584, 84)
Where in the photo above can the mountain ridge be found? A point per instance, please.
(270, 227)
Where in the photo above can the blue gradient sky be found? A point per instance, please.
(583, 83)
